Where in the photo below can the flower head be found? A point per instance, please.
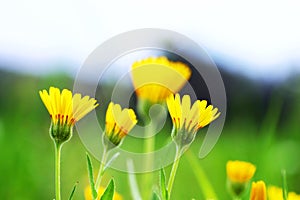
(240, 171)
(118, 122)
(65, 110)
(239, 174)
(155, 79)
(258, 191)
(275, 193)
(88, 194)
(188, 119)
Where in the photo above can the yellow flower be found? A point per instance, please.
(88, 194)
(65, 110)
(118, 122)
(190, 118)
(275, 193)
(154, 79)
(258, 191)
(240, 171)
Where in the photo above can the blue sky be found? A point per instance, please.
(257, 38)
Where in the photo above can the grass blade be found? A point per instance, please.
(162, 183)
(155, 196)
(91, 176)
(132, 181)
(73, 191)
(202, 179)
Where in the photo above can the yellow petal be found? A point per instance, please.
(65, 108)
(186, 106)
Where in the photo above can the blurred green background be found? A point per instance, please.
(262, 126)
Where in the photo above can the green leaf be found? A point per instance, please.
(162, 183)
(155, 196)
(109, 191)
(91, 176)
(73, 191)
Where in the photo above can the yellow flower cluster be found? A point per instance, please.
(156, 80)
(275, 193)
(240, 173)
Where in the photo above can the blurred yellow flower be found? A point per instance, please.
(293, 196)
(258, 191)
(155, 79)
(275, 193)
(187, 117)
(65, 108)
(240, 171)
(88, 194)
(118, 122)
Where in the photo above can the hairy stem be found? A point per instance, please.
(174, 170)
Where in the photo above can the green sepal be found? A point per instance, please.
(109, 191)
(60, 133)
(162, 184)
(91, 176)
(237, 189)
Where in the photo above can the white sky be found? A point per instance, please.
(259, 38)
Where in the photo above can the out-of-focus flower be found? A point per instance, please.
(155, 79)
(240, 171)
(258, 191)
(239, 174)
(275, 193)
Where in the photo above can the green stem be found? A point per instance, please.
(173, 170)
(284, 185)
(57, 169)
(149, 147)
(101, 168)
